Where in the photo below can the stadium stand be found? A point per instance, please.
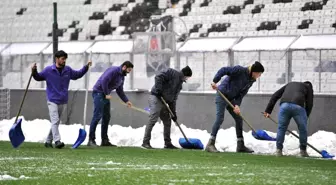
(30, 20)
(116, 19)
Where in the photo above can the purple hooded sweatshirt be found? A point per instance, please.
(58, 83)
(111, 79)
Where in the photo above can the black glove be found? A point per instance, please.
(34, 70)
(174, 117)
(158, 95)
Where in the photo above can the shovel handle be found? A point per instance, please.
(133, 107)
(87, 92)
(24, 96)
(227, 101)
(311, 146)
(171, 112)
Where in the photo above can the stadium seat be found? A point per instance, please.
(258, 15)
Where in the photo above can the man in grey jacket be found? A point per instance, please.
(168, 85)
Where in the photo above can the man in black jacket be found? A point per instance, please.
(296, 102)
(168, 85)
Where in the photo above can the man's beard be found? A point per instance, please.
(61, 65)
(124, 72)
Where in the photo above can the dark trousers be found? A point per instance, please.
(101, 111)
(157, 109)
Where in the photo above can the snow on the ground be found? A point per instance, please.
(37, 131)
(8, 177)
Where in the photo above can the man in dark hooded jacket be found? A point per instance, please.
(168, 85)
(234, 87)
(296, 102)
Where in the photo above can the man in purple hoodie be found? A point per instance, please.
(58, 77)
(112, 78)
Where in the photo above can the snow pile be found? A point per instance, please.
(37, 130)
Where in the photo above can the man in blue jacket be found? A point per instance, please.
(112, 78)
(168, 84)
(235, 86)
(58, 77)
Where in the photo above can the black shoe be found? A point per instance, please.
(59, 144)
(48, 145)
(92, 143)
(107, 143)
(242, 148)
(170, 146)
(146, 146)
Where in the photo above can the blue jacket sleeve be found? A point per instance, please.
(121, 93)
(74, 75)
(230, 71)
(39, 76)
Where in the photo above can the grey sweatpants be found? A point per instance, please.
(157, 109)
(55, 113)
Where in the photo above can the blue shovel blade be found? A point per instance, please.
(80, 139)
(262, 135)
(193, 143)
(147, 109)
(16, 135)
(326, 155)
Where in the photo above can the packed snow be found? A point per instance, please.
(37, 130)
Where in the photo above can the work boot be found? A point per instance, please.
(242, 148)
(146, 146)
(59, 144)
(210, 147)
(48, 145)
(92, 143)
(278, 152)
(170, 146)
(303, 153)
(106, 142)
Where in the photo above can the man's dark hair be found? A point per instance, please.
(128, 64)
(60, 54)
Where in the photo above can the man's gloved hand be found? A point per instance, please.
(158, 95)
(174, 117)
(34, 68)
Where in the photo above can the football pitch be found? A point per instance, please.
(34, 164)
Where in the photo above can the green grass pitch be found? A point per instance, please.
(127, 165)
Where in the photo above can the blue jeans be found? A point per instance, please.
(220, 111)
(101, 111)
(286, 113)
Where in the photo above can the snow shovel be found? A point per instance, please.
(257, 134)
(323, 153)
(187, 143)
(82, 133)
(146, 110)
(15, 133)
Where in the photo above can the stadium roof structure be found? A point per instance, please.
(208, 45)
(3, 46)
(117, 46)
(25, 48)
(77, 47)
(264, 43)
(315, 42)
